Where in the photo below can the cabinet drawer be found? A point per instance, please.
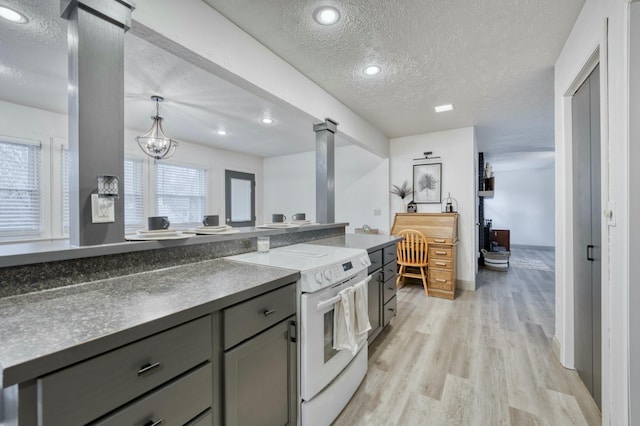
(389, 254)
(442, 280)
(376, 260)
(173, 404)
(440, 263)
(204, 419)
(389, 310)
(389, 289)
(440, 252)
(434, 240)
(390, 271)
(85, 391)
(248, 318)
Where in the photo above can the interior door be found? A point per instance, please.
(240, 198)
(586, 231)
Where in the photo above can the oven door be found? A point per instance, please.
(320, 363)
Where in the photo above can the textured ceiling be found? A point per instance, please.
(33, 72)
(492, 59)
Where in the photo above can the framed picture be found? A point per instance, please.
(427, 183)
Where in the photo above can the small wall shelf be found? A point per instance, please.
(485, 194)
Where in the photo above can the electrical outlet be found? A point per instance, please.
(103, 210)
(377, 212)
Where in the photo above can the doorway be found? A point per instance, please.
(585, 107)
(240, 198)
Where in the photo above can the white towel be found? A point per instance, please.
(344, 336)
(361, 302)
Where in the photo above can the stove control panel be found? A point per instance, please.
(329, 275)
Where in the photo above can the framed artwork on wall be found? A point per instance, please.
(427, 183)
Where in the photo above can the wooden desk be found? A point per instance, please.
(441, 231)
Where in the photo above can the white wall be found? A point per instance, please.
(361, 182)
(524, 201)
(195, 26)
(18, 121)
(458, 157)
(603, 25)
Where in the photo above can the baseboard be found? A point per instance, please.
(555, 347)
(525, 246)
(466, 285)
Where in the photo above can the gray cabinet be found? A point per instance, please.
(382, 289)
(168, 374)
(260, 373)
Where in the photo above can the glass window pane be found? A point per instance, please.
(181, 193)
(240, 200)
(133, 196)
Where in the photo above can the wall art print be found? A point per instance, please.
(427, 183)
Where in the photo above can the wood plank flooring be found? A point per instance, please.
(483, 359)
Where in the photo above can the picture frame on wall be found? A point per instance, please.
(427, 183)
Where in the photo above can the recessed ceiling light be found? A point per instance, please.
(326, 15)
(372, 70)
(267, 120)
(12, 15)
(222, 132)
(443, 108)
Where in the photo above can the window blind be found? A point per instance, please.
(133, 196)
(181, 193)
(20, 188)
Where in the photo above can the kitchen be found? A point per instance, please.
(349, 124)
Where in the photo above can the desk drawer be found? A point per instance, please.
(440, 263)
(376, 260)
(440, 252)
(90, 389)
(389, 254)
(434, 240)
(442, 280)
(390, 271)
(174, 404)
(248, 318)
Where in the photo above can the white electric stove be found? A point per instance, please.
(328, 377)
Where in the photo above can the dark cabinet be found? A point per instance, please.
(382, 289)
(260, 379)
(375, 304)
(260, 361)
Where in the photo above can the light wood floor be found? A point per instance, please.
(483, 359)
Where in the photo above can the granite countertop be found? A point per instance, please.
(47, 330)
(369, 242)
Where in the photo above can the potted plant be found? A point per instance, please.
(403, 192)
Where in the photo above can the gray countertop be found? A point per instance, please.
(47, 251)
(369, 242)
(43, 331)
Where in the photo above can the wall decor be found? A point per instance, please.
(427, 183)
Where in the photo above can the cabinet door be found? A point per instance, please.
(375, 304)
(260, 379)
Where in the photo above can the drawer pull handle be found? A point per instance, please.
(438, 241)
(391, 288)
(440, 280)
(152, 423)
(146, 368)
(392, 309)
(441, 252)
(441, 264)
(269, 312)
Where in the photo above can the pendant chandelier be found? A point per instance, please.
(155, 143)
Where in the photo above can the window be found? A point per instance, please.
(20, 190)
(133, 195)
(181, 193)
(64, 159)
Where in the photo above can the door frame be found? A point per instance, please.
(563, 343)
(232, 174)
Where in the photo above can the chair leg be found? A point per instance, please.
(400, 276)
(424, 281)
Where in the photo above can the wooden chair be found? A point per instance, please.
(412, 252)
